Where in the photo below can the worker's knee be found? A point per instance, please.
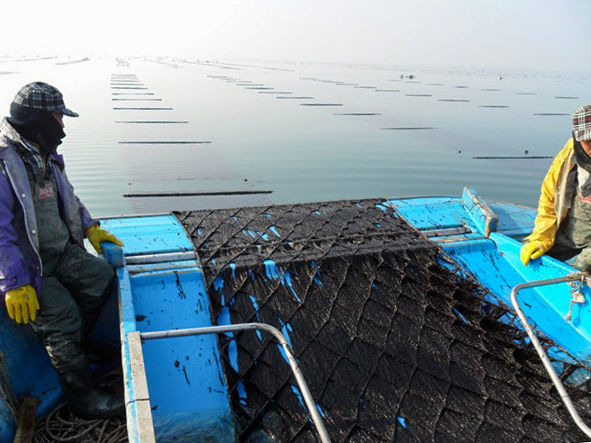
(582, 261)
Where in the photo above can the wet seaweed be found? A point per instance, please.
(393, 345)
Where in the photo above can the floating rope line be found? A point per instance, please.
(168, 122)
(409, 128)
(357, 113)
(193, 194)
(174, 142)
(320, 104)
(512, 157)
(295, 97)
(141, 109)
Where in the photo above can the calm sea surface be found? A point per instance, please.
(390, 137)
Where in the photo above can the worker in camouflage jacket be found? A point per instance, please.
(563, 223)
(48, 279)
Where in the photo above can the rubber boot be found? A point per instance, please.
(85, 400)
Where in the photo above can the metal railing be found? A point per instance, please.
(540, 350)
(307, 396)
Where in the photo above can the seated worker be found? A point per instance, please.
(563, 223)
(47, 277)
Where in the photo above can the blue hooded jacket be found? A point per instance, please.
(20, 263)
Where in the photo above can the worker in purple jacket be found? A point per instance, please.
(47, 278)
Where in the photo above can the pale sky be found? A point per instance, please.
(525, 34)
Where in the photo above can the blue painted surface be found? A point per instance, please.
(433, 212)
(28, 371)
(149, 235)
(184, 374)
(514, 220)
(186, 383)
(447, 212)
(402, 421)
(495, 263)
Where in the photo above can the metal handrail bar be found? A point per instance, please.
(310, 404)
(138, 269)
(541, 352)
(153, 214)
(446, 231)
(142, 259)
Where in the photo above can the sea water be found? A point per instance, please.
(366, 131)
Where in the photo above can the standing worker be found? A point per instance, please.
(46, 276)
(563, 222)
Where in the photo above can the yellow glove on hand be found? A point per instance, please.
(96, 235)
(531, 251)
(22, 304)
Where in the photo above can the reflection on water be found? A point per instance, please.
(224, 134)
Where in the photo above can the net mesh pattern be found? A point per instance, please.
(393, 344)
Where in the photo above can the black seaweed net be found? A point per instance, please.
(392, 343)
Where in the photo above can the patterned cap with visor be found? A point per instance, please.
(44, 97)
(582, 123)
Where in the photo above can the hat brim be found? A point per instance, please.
(68, 112)
(582, 135)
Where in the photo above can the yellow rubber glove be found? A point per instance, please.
(22, 304)
(96, 235)
(531, 251)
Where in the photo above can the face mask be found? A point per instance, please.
(50, 133)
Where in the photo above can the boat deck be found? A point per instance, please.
(395, 339)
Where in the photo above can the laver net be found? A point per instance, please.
(393, 344)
